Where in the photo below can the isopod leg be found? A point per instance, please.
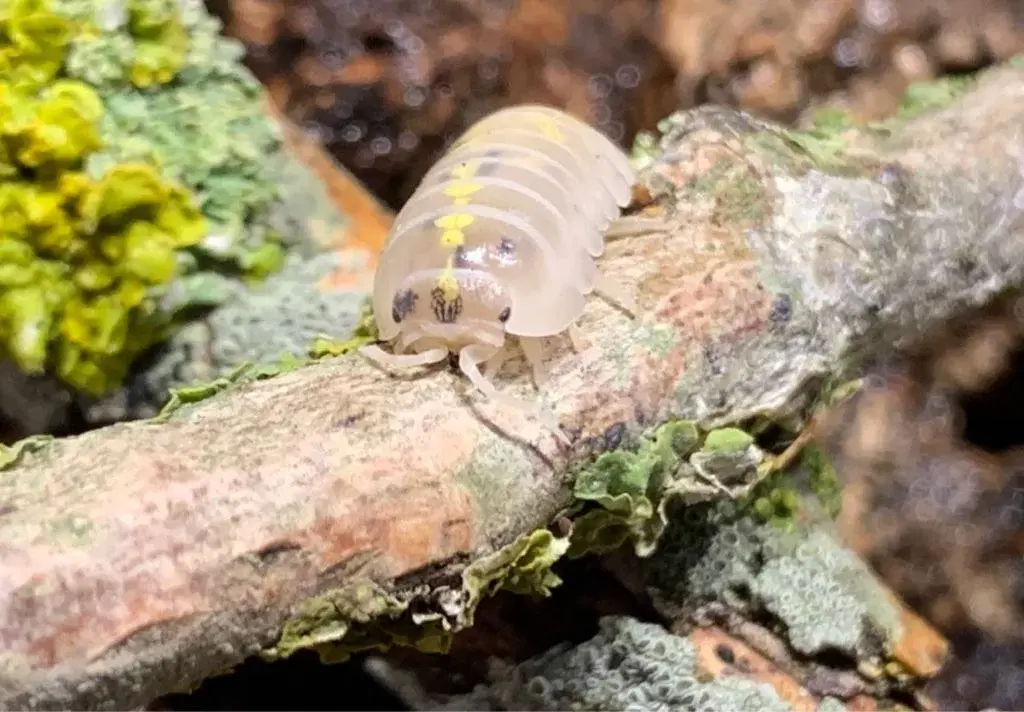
(534, 350)
(383, 358)
(493, 365)
(469, 359)
(576, 338)
(616, 293)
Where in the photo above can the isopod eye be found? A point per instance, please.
(403, 305)
(505, 314)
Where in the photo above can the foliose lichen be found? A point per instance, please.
(83, 255)
(623, 495)
(206, 129)
(522, 567)
(629, 665)
(11, 454)
(364, 616)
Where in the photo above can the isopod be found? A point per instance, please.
(500, 238)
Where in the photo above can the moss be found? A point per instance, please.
(628, 665)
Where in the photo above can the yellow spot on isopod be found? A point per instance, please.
(452, 226)
(448, 285)
(453, 238)
(454, 221)
(462, 189)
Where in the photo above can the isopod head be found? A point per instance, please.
(449, 309)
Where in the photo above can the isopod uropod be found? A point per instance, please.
(500, 238)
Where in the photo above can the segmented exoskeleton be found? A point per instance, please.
(500, 238)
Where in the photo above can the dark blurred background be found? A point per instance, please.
(384, 83)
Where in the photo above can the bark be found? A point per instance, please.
(141, 558)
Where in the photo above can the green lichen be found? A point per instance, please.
(522, 567)
(824, 479)
(645, 150)
(70, 529)
(264, 325)
(11, 454)
(740, 197)
(924, 97)
(365, 333)
(364, 616)
(727, 441)
(81, 256)
(623, 495)
(629, 488)
(831, 704)
(86, 247)
(241, 374)
(140, 43)
(359, 617)
(214, 138)
(776, 500)
(207, 130)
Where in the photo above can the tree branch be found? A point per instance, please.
(141, 558)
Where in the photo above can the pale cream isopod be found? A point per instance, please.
(500, 238)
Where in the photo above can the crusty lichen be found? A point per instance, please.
(629, 665)
(822, 596)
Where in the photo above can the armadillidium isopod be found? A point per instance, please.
(500, 238)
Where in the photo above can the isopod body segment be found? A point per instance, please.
(500, 238)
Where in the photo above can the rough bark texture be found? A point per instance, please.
(141, 558)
